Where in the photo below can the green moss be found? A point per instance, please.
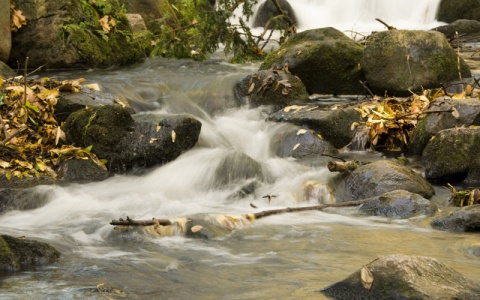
(8, 260)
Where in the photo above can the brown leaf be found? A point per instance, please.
(104, 23)
(18, 19)
(367, 278)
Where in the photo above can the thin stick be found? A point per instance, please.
(25, 82)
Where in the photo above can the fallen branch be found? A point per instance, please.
(386, 25)
(250, 216)
(344, 166)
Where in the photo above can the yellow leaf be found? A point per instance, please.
(301, 131)
(157, 129)
(459, 96)
(18, 19)
(94, 86)
(367, 278)
(296, 146)
(104, 23)
(196, 228)
(174, 136)
(4, 164)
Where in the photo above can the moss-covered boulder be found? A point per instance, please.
(464, 27)
(395, 61)
(452, 154)
(452, 10)
(384, 176)
(68, 34)
(325, 59)
(126, 143)
(465, 219)
(17, 253)
(297, 142)
(268, 10)
(399, 204)
(270, 87)
(400, 276)
(468, 114)
(334, 125)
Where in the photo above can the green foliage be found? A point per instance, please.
(194, 29)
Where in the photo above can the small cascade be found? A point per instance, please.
(358, 16)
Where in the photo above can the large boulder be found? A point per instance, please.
(68, 34)
(325, 59)
(463, 27)
(400, 276)
(268, 10)
(6, 71)
(18, 253)
(452, 10)
(465, 219)
(395, 61)
(452, 155)
(23, 198)
(468, 114)
(5, 31)
(334, 125)
(144, 141)
(293, 141)
(270, 87)
(383, 176)
(399, 204)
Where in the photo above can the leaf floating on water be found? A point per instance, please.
(296, 146)
(196, 228)
(367, 278)
(301, 131)
(174, 136)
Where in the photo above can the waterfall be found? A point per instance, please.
(358, 16)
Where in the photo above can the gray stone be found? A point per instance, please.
(395, 61)
(333, 125)
(383, 176)
(325, 59)
(451, 155)
(465, 219)
(451, 10)
(404, 277)
(399, 204)
(267, 10)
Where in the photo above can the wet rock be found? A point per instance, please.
(300, 143)
(236, 167)
(5, 71)
(69, 102)
(474, 250)
(5, 31)
(377, 178)
(148, 9)
(395, 61)
(23, 198)
(432, 123)
(465, 219)
(146, 141)
(17, 253)
(464, 28)
(453, 155)
(333, 125)
(267, 10)
(325, 59)
(451, 10)
(54, 38)
(399, 204)
(137, 24)
(81, 170)
(270, 87)
(404, 277)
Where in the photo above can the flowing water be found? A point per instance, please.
(289, 256)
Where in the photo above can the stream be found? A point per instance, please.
(288, 256)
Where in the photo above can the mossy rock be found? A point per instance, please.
(325, 59)
(452, 10)
(16, 253)
(395, 61)
(268, 10)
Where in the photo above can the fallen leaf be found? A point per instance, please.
(301, 131)
(196, 228)
(367, 278)
(296, 146)
(104, 23)
(174, 136)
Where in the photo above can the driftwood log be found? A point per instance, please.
(344, 166)
(250, 216)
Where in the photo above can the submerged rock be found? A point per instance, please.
(325, 59)
(399, 204)
(404, 277)
(377, 178)
(395, 61)
(453, 155)
(17, 253)
(465, 219)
